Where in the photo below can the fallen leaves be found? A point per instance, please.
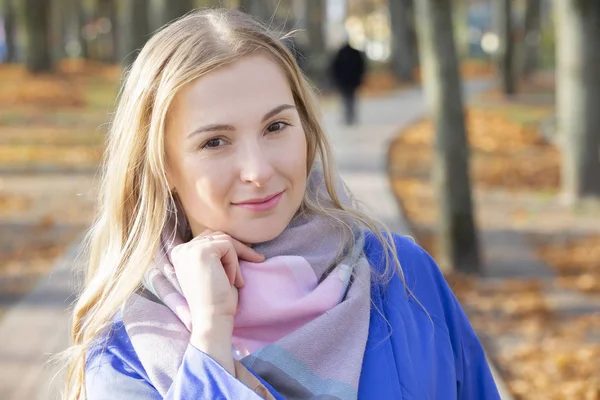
(64, 88)
(44, 133)
(74, 156)
(42, 91)
(555, 367)
(80, 68)
(22, 267)
(546, 357)
(381, 81)
(35, 255)
(472, 69)
(504, 153)
(576, 260)
(378, 82)
(13, 203)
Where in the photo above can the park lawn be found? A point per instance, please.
(516, 182)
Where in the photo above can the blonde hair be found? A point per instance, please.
(135, 197)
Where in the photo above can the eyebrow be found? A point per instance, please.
(225, 127)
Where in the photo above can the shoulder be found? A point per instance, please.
(419, 274)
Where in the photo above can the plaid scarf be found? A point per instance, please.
(318, 352)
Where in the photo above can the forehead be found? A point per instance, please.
(253, 84)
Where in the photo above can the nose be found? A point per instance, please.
(255, 165)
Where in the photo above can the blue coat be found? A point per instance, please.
(409, 355)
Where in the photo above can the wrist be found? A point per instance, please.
(214, 338)
(212, 328)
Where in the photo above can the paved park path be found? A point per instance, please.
(38, 326)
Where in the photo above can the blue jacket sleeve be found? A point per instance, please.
(475, 380)
(114, 372)
(202, 377)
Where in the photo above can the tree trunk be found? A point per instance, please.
(135, 28)
(282, 13)
(81, 19)
(170, 10)
(108, 9)
(37, 24)
(531, 48)
(457, 233)
(209, 3)
(578, 96)
(402, 49)
(113, 15)
(58, 26)
(316, 58)
(505, 55)
(9, 30)
(257, 8)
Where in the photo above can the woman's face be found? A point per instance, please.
(236, 151)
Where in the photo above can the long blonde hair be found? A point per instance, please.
(134, 194)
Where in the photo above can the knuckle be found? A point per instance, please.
(222, 235)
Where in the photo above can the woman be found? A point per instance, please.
(229, 261)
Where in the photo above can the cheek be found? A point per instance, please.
(297, 161)
(203, 185)
(210, 186)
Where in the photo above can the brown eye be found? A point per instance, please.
(277, 126)
(213, 143)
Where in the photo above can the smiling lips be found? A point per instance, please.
(264, 204)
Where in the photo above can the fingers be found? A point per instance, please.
(229, 252)
(243, 251)
(239, 278)
(230, 262)
(246, 252)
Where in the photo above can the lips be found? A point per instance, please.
(261, 204)
(258, 201)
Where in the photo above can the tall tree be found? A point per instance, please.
(58, 28)
(316, 57)
(108, 9)
(135, 28)
(531, 48)
(210, 3)
(402, 49)
(80, 19)
(505, 54)
(439, 63)
(9, 29)
(282, 13)
(37, 24)
(578, 95)
(258, 8)
(170, 10)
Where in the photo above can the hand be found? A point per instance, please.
(208, 271)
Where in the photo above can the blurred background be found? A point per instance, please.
(486, 119)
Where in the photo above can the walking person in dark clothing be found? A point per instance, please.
(347, 70)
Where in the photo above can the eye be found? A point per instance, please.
(213, 143)
(277, 126)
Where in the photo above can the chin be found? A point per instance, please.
(256, 232)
